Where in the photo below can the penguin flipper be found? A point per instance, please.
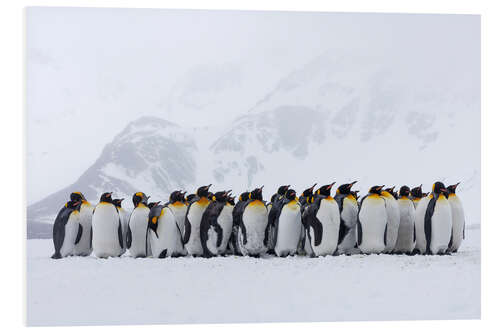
(385, 235)
(342, 231)
(218, 230)
(120, 234)
(318, 230)
(360, 233)
(187, 230)
(414, 233)
(59, 231)
(79, 234)
(128, 237)
(90, 236)
(244, 233)
(428, 223)
(463, 231)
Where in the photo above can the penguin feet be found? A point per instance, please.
(56, 255)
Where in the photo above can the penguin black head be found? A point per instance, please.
(177, 196)
(256, 194)
(290, 194)
(230, 200)
(275, 197)
(153, 204)
(376, 189)
(73, 204)
(117, 202)
(325, 190)
(452, 188)
(77, 196)
(416, 192)
(282, 189)
(138, 198)
(345, 188)
(190, 197)
(404, 191)
(106, 197)
(221, 196)
(309, 191)
(203, 191)
(244, 196)
(390, 190)
(438, 188)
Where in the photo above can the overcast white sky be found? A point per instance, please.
(91, 71)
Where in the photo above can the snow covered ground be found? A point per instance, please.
(90, 291)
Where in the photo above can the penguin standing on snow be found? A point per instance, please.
(83, 247)
(322, 221)
(123, 219)
(178, 205)
(253, 225)
(274, 207)
(107, 236)
(406, 234)
(67, 229)
(216, 225)
(434, 227)
(287, 225)
(196, 208)
(393, 217)
(304, 200)
(348, 206)
(137, 235)
(416, 195)
(458, 219)
(233, 246)
(164, 233)
(372, 222)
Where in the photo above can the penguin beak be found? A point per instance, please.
(208, 186)
(312, 187)
(351, 184)
(380, 187)
(109, 194)
(260, 189)
(331, 185)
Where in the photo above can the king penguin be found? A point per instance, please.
(107, 236)
(287, 225)
(434, 226)
(137, 236)
(233, 246)
(196, 208)
(458, 219)
(372, 222)
(84, 246)
(406, 234)
(348, 206)
(67, 229)
(253, 225)
(178, 205)
(274, 207)
(164, 233)
(393, 217)
(216, 225)
(322, 221)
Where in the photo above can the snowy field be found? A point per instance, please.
(90, 291)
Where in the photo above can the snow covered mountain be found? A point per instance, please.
(335, 119)
(150, 155)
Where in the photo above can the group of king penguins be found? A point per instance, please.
(206, 224)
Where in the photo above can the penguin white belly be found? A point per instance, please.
(458, 222)
(373, 222)
(138, 225)
(289, 230)
(225, 220)
(84, 248)
(255, 220)
(441, 226)
(105, 241)
(393, 220)
(194, 215)
(168, 242)
(329, 216)
(350, 217)
(406, 233)
(70, 233)
(124, 216)
(179, 210)
(421, 243)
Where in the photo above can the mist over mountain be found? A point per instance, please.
(336, 118)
